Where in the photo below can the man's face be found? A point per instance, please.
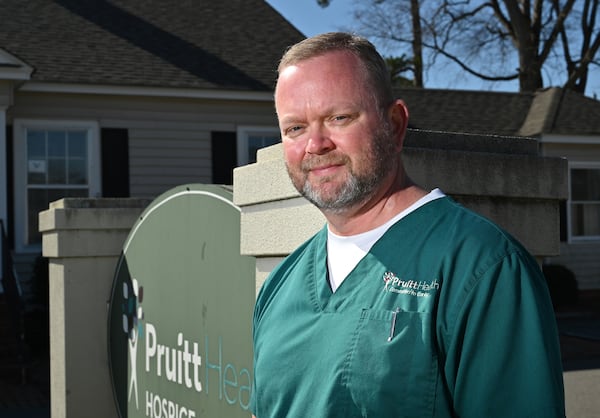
(338, 147)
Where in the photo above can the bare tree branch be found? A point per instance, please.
(494, 40)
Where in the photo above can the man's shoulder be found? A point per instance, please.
(449, 227)
(469, 223)
(295, 260)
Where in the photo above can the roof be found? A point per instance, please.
(465, 111)
(576, 113)
(225, 44)
(547, 111)
(235, 45)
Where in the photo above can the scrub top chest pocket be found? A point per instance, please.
(392, 366)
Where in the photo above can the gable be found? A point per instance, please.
(12, 68)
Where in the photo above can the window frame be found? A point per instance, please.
(578, 165)
(243, 134)
(21, 126)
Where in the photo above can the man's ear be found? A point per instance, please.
(398, 114)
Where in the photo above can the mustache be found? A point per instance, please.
(323, 160)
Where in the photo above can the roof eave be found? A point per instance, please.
(571, 138)
(190, 93)
(12, 68)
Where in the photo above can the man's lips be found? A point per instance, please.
(323, 165)
(325, 169)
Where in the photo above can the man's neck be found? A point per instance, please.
(375, 212)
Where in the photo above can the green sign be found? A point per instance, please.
(180, 314)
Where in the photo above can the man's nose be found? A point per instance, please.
(319, 142)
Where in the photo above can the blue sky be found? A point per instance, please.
(311, 19)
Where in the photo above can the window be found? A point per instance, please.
(251, 139)
(584, 202)
(59, 160)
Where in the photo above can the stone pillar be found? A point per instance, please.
(505, 179)
(83, 238)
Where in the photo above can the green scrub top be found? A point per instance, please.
(446, 316)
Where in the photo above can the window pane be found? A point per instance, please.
(57, 143)
(78, 157)
(77, 171)
(585, 184)
(77, 144)
(585, 219)
(57, 171)
(36, 145)
(36, 172)
(256, 142)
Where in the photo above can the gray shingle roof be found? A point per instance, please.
(577, 113)
(466, 111)
(228, 44)
(548, 111)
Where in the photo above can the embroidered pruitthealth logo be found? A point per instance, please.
(421, 288)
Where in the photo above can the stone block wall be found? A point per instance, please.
(504, 179)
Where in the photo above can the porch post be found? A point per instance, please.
(3, 164)
(3, 179)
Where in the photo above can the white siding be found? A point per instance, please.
(169, 138)
(583, 259)
(162, 159)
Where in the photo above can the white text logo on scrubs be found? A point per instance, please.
(418, 288)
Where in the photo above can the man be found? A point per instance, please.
(406, 304)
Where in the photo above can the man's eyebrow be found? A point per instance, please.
(288, 119)
(335, 109)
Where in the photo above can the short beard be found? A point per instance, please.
(359, 187)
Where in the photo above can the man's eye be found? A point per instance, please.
(340, 119)
(292, 130)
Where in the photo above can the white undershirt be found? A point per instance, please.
(345, 252)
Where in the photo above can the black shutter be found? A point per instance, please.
(115, 162)
(563, 221)
(224, 156)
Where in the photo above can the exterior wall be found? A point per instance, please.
(169, 138)
(581, 257)
(513, 186)
(572, 152)
(164, 157)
